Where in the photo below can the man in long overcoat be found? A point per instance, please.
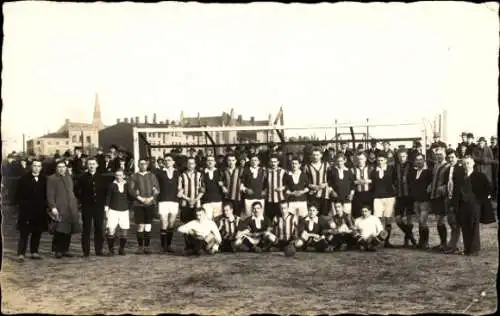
(483, 159)
(63, 207)
(474, 206)
(33, 218)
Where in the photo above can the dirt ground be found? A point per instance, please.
(389, 281)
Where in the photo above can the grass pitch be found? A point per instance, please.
(390, 281)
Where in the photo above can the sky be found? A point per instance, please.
(346, 61)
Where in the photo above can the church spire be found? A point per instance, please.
(97, 113)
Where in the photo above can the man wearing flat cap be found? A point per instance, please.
(483, 158)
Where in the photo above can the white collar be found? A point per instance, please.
(260, 218)
(208, 170)
(315, 220)
(114, 181)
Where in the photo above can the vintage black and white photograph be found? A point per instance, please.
(237, 159)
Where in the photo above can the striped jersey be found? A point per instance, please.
(190, 185)
(232, 181)
(437, 179)
(286, 227)
(275, 179)
(402, 179)
(228, 227)
(317, 176)
(362, 173)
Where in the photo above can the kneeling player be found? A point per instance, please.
(201, 234)
(285, 227)
(368, 230)
(255, 231)
(117, 212)
(311, 230)
(343, 228)
(228, 227)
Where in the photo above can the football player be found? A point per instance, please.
(255, 232)
(201, 234)
(311, 231)
(368, 231)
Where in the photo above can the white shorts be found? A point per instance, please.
(166, 208)
(248, 207)
(384, 207)
(300, 208)
(118, 219)
(213, 209)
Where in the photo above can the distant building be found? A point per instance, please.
(120, 134)
(69, 136)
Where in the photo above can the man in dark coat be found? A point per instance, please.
(483, 159)
(91, 189)
(33, 218)
(63, 208)
(474, 206)
(494, 150)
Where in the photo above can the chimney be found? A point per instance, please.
(136, 120)
(240, 119)
(131, 120)
(181, 118)
(125, 120)
(161, 122)
(252, 120)
(145, 119)
(154, 118)
(118, 121)
(66, 121)
(270, 118)
(232, 115)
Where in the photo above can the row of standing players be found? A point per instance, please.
(447, 189)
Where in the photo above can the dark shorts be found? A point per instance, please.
(272, 210)
(187, 214)
(324, 205)
(238, 206)
(404, 206)
(438, 207)
(144, 214)
(359, 200)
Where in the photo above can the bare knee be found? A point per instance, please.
(140, 227)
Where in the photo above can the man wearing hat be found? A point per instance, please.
(483, 158)
(463, 142)
(438, 143)
(471, 146)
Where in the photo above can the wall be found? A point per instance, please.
(48, 146)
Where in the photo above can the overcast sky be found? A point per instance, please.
(347, 61)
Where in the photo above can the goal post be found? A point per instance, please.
(275, 128)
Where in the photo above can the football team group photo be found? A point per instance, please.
(337, 200)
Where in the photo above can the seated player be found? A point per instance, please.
(343, 227)
(368, 231)
(285, 227)
(255, 231)
(228, 227)
(201, 234)
(117, 212)
(311, 229)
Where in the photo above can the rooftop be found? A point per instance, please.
(64, 134)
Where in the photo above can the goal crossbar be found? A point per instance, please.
(139, 131)
(263, 128)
